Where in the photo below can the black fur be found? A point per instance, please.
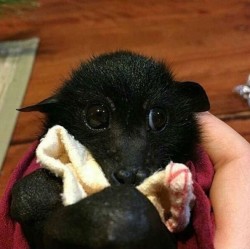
(136, 225)
(126, 144)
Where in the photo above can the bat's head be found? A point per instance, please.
(130, 114)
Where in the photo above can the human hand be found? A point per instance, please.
(230, 191)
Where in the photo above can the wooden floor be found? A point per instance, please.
(204, 41)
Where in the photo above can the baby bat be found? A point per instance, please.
(131, 114)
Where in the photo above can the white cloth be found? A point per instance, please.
(170, 190)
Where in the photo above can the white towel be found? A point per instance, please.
(170, 190)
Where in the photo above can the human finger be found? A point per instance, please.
(221, 142)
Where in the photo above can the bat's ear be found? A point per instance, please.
(195, 95)
(44, 106)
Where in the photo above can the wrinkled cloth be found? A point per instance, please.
(68, 159)
(198, 235)
(11, 236)
(169, 189)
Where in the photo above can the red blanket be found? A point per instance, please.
(198, 235)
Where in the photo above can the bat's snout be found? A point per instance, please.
(130, 176)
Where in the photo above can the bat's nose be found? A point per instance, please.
(130, 176)
(124, 176)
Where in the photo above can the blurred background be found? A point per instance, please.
(203, 41)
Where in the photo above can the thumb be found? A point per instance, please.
(221, 142)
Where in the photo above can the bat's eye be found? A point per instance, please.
(157, 119)
(97, 116)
